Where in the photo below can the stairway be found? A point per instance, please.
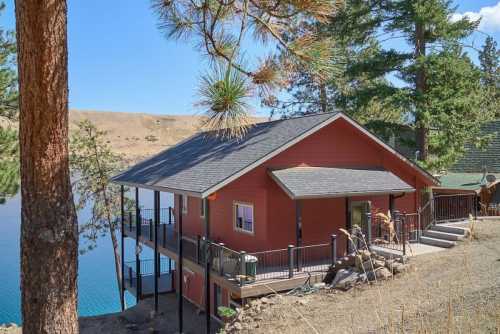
(444, 236)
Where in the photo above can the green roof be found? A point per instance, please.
(476, 160)
(465, 181)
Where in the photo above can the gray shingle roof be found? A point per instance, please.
(203, 161)
(476, 159)
(318, 182)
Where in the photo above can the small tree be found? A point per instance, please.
(92, 164)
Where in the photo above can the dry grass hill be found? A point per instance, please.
(138, 135)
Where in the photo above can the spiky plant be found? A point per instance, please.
(224, 93)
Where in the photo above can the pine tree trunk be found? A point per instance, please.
(49, 229)
(422, 131)
(323, 98)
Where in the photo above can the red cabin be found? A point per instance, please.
(265, 210)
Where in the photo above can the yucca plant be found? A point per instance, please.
(224, 93)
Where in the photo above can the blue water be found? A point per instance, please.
(97, 286)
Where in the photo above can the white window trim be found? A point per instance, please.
(185, 201)
(242, 230)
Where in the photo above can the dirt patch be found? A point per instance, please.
(454, 291)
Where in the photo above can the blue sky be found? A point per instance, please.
(120, 61)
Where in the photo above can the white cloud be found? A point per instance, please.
(489, 15)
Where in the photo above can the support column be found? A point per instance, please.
(122, 250)
(348, 222)
(391, 203)
(138, 227)
(298, 232)
(156, 255)
(179, 268)
(206, 203)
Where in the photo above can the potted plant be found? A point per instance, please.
(226, 314)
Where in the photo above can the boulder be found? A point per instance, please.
(365, 254)
(345, 279)
(382, 273)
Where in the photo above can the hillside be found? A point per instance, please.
(138, 135)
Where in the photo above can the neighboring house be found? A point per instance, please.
(477, 171)
(286, 182)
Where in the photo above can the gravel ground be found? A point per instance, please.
(454, 291)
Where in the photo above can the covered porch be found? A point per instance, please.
(326, 200)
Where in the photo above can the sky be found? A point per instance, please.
(120, 61)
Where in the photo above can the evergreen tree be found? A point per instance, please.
(431, 38)
(352, 32)
(9, 149)
(489, 58)
(92, 165)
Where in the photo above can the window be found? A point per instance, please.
(184, 199)
(202, 208)
(243, 214)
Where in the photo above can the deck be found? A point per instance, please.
(272, 271)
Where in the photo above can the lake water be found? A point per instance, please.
(97, 286)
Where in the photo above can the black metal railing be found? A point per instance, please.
(167, 216)
(454, 207)
(143, 284)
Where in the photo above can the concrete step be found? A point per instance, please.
(443, 235)
(451, 229)
(437, 242)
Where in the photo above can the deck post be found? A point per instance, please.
(206, 203)
(368, 229)
(348, 224)
(151, 228)
(164, 235)
(402, 218)
(290, 261)
(298, 231)
(221, 259)
(243, 267)
(198, 251)
(156, 256)
(179, 269)
(122, 250)
(333, 241)
(391, 203)
(170, 215)
(138, 227)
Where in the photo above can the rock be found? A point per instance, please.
(382, 273)
(319, 285)
(378, 263)
(367, 266)
(345, 279)
(237, 325)
(365, 254)
(358, 261)
(265, 300)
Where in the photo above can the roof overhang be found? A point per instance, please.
(326, 182)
